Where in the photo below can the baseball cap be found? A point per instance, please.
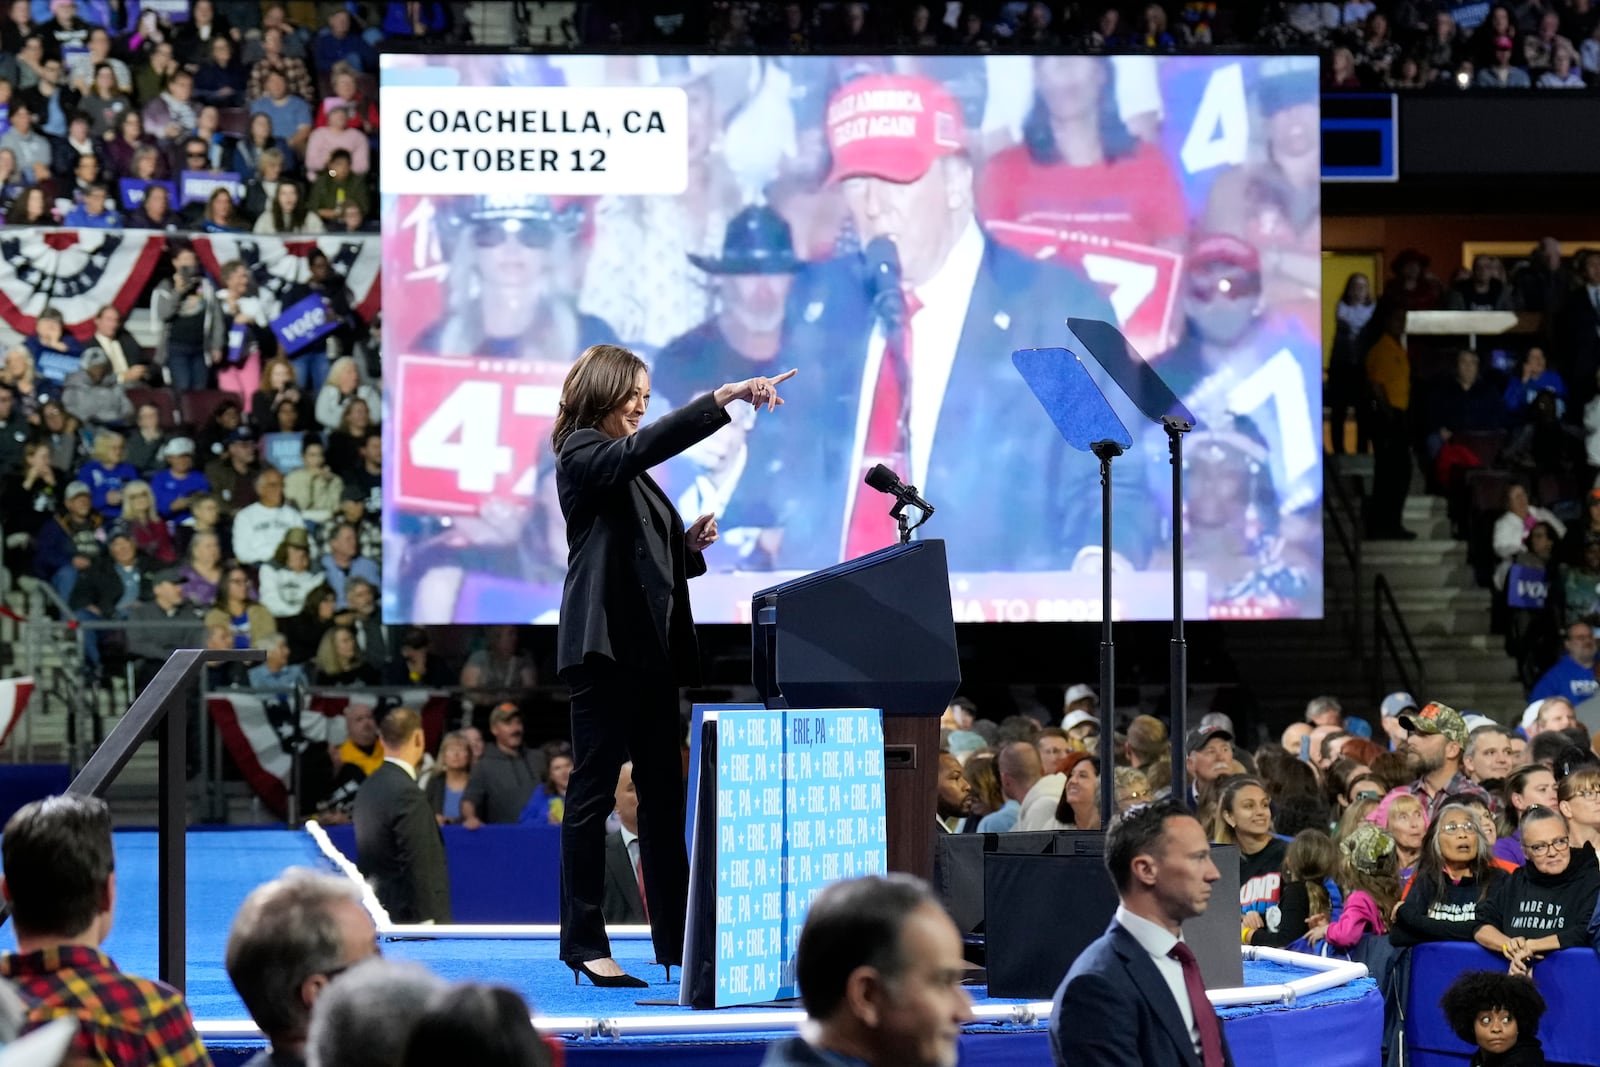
(76, 489)
(1222, 249)
(1397, 703)
(243, 433)
(502, 712)
(1474, 720)
(1078, 718)
(1503, 42)
(165, 575)
(1437, 718)
(178, 446)
(1201, 736)
(352, 491)
(93, 356)
(892, 126)
(1080, 692)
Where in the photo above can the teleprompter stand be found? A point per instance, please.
(1086, 420)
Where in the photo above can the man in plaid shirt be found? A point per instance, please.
(61, 885)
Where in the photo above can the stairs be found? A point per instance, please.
(1288, 663)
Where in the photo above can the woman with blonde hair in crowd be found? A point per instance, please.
(339, 660)
(148, 529)
(449, 782)
(1406, 820)
(237, 331)
(343, 386)
(1132, 787)
(1580, 803)
(19, 374)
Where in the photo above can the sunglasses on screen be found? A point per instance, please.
(492, 235)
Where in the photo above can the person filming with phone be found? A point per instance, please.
(626, 639)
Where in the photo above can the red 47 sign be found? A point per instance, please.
(469, 430)
(1140, 281)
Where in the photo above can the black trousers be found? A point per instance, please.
(1391, 472)
(620, 714)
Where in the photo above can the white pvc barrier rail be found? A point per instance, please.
(1330, 973)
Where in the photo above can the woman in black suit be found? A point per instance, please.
(626, 640)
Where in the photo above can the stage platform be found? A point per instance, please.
(1343, 1024)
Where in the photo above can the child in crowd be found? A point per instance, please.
(1499, 1014)
(1370, 878)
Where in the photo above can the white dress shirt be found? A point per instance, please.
(403, 765)
(1156, 940)
(630, 841)
(935, 334)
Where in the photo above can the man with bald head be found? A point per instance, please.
(1020, 767)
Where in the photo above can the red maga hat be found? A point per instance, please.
(892, 126)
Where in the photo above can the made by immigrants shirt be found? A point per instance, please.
(1533, 904)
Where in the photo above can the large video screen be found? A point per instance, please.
(893, 227)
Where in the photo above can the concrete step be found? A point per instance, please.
(1421, 507)
(1435, 576)
(1380, 555)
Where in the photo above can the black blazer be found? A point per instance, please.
(621, 902)
(626, 595)
(1114, 1009)
(399, 848)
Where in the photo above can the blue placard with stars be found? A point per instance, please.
(800, 804)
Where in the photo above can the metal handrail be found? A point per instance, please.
(1383, 642)
(162, 705)
(1350, 541)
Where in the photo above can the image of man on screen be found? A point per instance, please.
(915, 351)
(752, 279)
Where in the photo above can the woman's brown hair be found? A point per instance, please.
(597, 384)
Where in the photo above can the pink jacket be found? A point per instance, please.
(1360, 916)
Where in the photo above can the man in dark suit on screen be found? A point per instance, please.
(910, 345)
(398, 845)
(1135, 997)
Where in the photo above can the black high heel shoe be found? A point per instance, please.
(606, 981)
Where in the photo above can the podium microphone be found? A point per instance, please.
(882, 261)
(885, 480)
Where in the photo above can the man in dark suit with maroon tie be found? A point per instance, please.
(1135, 997)
(909, 346)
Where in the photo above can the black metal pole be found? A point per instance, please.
(1106, 451)
(170, 841)
(1179, 654)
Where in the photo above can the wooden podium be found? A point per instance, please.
(875, 632)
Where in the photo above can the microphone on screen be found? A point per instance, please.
(887, 481)
(882, 261)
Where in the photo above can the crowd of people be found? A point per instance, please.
(1507, 432)
(233, 119)
(1439, 826)
(1365, 45)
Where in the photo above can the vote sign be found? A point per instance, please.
(469, 430)
(303, 323)
(1526, 587)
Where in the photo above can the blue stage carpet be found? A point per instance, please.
(1343, 1025)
